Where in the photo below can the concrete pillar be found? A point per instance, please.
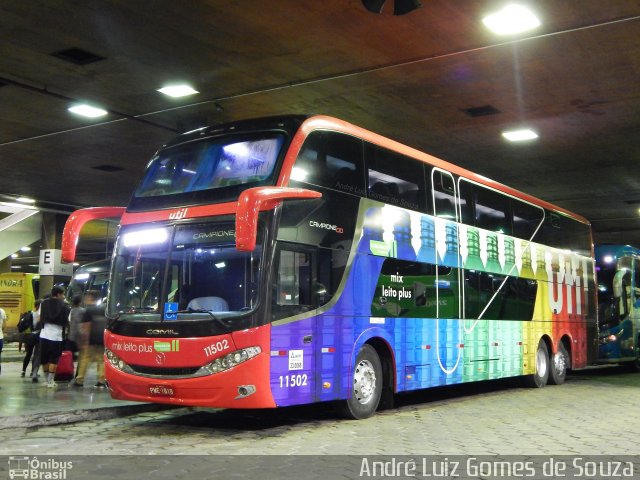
(52, 227)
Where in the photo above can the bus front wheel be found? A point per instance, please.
(366, 385)
(559, 365)
(541, 376)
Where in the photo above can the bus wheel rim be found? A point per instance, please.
(364, 381)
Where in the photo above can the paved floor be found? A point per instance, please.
(23, 403)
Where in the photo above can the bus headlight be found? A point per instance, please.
(117, 362)
(231, 360)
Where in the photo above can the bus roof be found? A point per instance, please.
(323, 122)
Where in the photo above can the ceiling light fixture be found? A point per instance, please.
(177, 91)
(87, 111)
(510, 20)
(520, 135)
(400, 7)
(25, 200)
(25, 249)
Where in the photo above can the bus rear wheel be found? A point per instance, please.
(559, 365)
(541, 376)
(366, 387)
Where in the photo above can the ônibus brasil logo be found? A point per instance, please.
(35, 469)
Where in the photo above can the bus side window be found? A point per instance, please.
(492, 210)
(292, 293)
(333, 160)
(444, 192)
(467, 202)
(526, 219)
(498, 297)
(394, 178)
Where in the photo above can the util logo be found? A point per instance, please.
(180, 213)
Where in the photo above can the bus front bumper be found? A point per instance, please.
(243, 386)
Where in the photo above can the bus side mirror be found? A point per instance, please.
(76, 221)
(254, 200)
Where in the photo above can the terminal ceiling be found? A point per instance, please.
(435, 79)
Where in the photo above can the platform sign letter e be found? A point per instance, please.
(47, 262)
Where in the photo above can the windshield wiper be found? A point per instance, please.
(146, 308)
(201, 310)
(119, 313)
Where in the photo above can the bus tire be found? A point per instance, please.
(558, 366)
(541, 376)
(367, 385)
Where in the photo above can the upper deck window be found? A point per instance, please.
(333, 160)
(394, 178)
(210, 165)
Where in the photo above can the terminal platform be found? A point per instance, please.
(26, 404)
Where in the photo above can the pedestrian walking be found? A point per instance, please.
(75, 319)
(30, 336)
(91, 339)
(54, 316)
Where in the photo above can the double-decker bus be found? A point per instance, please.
(618, 272)
(295, 259)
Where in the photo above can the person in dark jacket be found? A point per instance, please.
(31, 337)
(54, 316)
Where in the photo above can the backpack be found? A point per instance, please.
(25, 324)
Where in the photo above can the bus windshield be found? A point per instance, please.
(93, 276)
(211, 164)
(190, 271)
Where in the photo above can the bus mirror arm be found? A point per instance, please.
(75, 223)
(254, 200)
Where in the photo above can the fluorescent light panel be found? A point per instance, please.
(520, 135)
(177, 91)
(510, 20)
(25, 200)
(87, 111)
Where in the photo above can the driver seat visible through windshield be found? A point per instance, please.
(213, 304)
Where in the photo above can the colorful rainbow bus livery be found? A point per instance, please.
(438, 332)
(293, 260)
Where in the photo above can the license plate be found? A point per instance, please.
(161, 390)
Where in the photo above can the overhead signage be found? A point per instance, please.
(51, 264)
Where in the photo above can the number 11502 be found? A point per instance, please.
(288, 381)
